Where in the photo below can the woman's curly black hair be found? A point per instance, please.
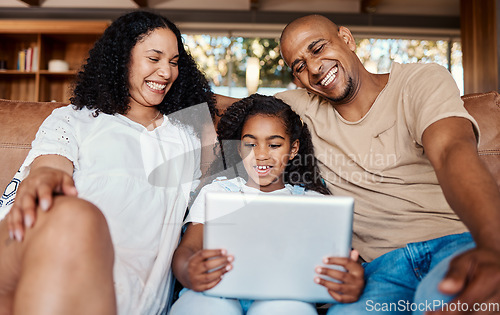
(302, 169)
(103, 83)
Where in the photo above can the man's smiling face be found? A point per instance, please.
(321, 57)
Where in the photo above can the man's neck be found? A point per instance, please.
(370, 88)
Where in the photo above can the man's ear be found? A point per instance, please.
(294, 149)
(346, 36)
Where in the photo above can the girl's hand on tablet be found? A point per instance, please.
(206, 268)
(349, 284)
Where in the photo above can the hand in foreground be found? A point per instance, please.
(37, 189)
(206, 267)
(475, 277)
(351, 281)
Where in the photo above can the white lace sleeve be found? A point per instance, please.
(56, 135)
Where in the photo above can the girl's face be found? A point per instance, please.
(265, 149)
(153, 68)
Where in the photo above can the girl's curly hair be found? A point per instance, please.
(103, 83)
(302, 169)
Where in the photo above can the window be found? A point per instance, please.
(224, 59)
(377, 54)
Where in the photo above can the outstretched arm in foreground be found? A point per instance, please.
(473, 194)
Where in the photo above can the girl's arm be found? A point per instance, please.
(351, 282)
(195, 268)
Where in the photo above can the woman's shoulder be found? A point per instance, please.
(71, 112)
(79, 122)
(66, 118)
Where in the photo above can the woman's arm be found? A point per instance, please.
(49, 175)
(195, 268)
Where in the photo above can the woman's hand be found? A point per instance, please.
(38, 189)
(350, 282)
(205, 269)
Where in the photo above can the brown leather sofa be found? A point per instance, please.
(19, 121)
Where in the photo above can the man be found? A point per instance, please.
(405, 147)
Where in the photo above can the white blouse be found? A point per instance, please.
(141, 180)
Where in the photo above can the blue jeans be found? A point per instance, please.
(191, 302)
(405, 280)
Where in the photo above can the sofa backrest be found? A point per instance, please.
(19, 121)
(485, 108)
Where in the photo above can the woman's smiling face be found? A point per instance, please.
(265, 149)
(153, 67)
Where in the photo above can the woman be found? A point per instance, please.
(116, 173)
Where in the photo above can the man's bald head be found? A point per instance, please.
(322, 57)
(309, 21)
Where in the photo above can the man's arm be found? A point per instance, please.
(468, 186)
(222, 103)
(472, 193)
(208, 139)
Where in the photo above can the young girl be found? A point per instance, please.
(109, 249)
(275, 149)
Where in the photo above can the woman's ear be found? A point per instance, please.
(294, 149)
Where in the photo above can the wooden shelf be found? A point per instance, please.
(69, 72)
(54, 39)
(16, 72)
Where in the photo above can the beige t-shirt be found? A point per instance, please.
(380, 161)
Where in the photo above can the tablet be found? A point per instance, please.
(277, 242)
